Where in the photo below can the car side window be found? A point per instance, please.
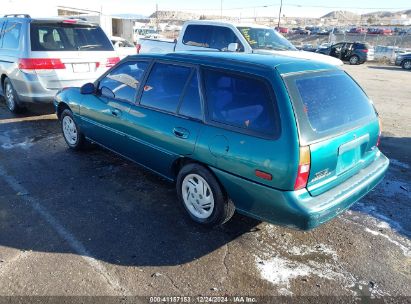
(221, 37)
(214, 37)
(164, 86)
(191, 103)
(11, 35)
(240, 101)
(197, 35)
(123, 81)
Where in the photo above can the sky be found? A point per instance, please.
(243, 8)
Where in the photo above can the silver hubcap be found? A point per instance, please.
(10, 97)
(197, 195)
(354, 60)
(407, 65)
(69, 130)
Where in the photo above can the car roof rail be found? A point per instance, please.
(17, 15)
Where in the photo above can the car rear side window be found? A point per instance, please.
(328, 103)
(11, 35)
(68, 37)
(123, 81)
(241, 101)
(165, 86)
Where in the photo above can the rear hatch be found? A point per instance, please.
(338, 122)
(68, 53)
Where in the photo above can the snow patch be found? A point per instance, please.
(405, 249)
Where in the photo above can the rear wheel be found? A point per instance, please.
(354, 60)
(71, 133)
(11, 98)
(406, 65)
(202, 196)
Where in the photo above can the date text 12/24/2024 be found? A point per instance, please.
(203, 299)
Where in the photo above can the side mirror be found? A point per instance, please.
(232, 47)
(88, 88)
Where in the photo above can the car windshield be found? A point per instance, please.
(60, 36)
(266, 39)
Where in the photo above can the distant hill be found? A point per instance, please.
(350, 16)
(342, 15)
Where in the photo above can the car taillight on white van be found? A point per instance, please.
(112, 61)
(303, 168)
(31, 64)
(138, 47)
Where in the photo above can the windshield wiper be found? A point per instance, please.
(88, 46)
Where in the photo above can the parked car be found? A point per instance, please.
(404, 60)
(260, 135)
(203, 35)
(357, 30)
(353, 52)
(386, 53)
(282, 30)
(123, 47)
(38, 57)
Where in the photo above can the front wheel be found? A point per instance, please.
(406, 65)
(71, 133)
(354, 60)
(202, 196)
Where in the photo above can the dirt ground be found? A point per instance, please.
(91, 223)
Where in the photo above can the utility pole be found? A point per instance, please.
(221, 9)
(157, 17)
(279, 14)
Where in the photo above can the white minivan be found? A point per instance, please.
(38, 57)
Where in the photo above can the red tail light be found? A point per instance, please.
(364, 50)
(303, 168)
(41, 64)
(380, 132)
(138, 47)
(112, 61)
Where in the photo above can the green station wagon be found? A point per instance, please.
(284, 140)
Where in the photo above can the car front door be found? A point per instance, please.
(336, 50)
(346, 51)
(164, 123)
(103, 113)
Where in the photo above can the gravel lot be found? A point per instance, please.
(91, 223)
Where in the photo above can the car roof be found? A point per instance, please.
(23, 17)
(226, 23)
(283, 64)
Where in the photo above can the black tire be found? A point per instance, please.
(223, 208)
(79, 142)
(354, 59)
(406, 64)
(11, 98)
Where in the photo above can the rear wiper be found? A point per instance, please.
(88, 46)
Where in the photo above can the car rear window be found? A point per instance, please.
(68, 37)
(327, 103)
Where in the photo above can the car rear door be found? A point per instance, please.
(338, 122)
(164, 123)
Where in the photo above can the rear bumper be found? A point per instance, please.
(30, 89)
(299, 209)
